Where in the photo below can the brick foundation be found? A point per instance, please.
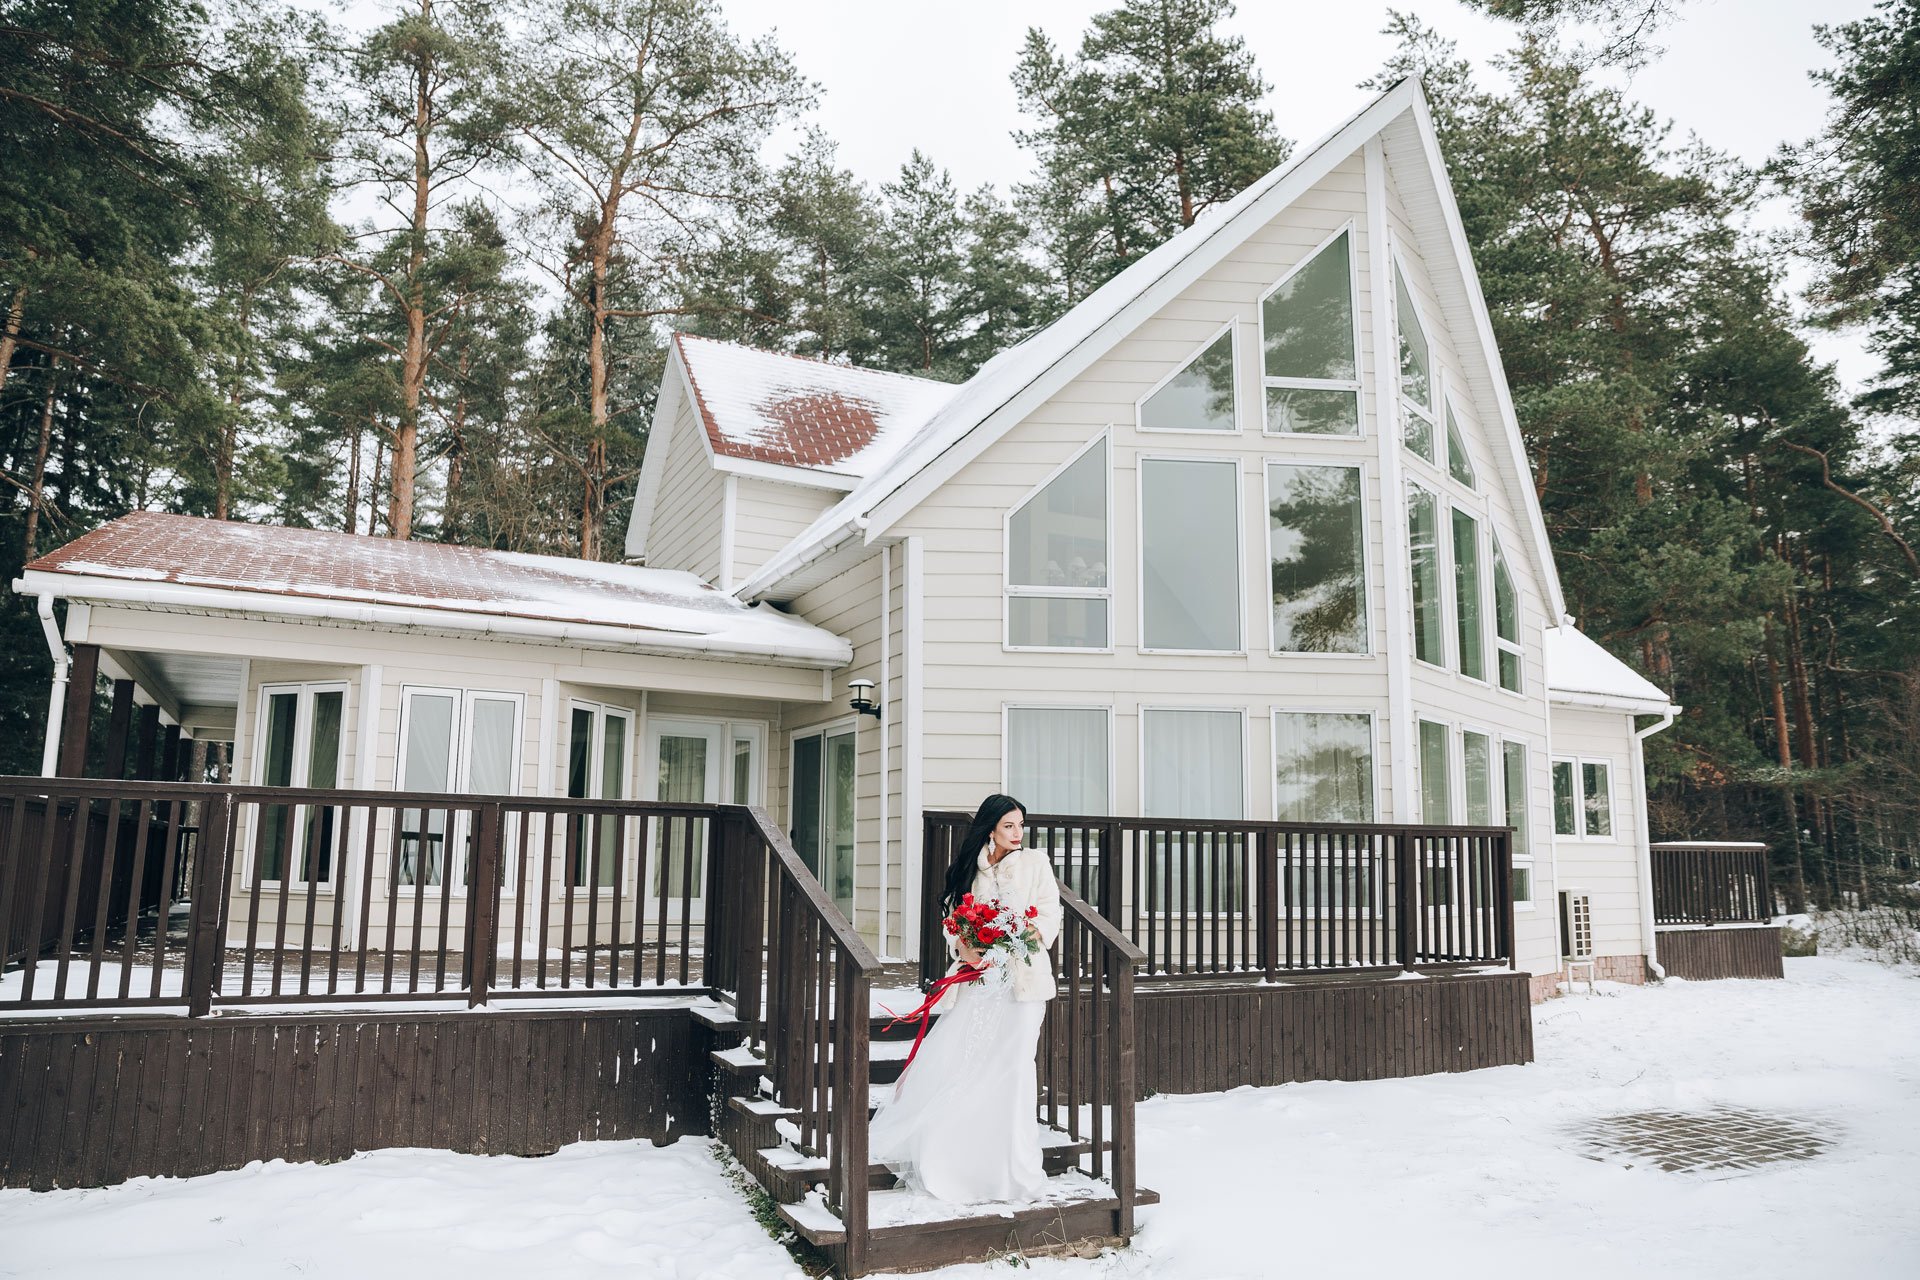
(1631, 970)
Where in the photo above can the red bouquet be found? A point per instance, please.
(986, 926)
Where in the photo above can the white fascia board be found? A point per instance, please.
(1490, 351)
(806, 477)
(168, 595)
(1611, 702)
(1223, 239)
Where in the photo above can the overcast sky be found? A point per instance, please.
(896, 74)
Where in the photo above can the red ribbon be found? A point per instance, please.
(924, 1014)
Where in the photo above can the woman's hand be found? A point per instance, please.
(970, 957)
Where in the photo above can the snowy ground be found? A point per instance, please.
(1476, 1174)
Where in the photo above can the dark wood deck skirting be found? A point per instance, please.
(1202, 1040)
(1722, 951)
(94, 1101)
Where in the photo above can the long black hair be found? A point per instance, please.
(966, 854)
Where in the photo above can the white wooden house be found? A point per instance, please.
(1248, 534)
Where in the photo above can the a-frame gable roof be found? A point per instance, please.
(1020, 379)
(779, 417)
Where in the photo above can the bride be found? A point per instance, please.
(962, 1123)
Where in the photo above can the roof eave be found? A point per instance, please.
(95, 588)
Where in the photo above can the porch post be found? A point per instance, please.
(146, 738)
(79, 711)
(119, 726)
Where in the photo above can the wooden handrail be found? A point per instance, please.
(790, 863)
(1102, 927)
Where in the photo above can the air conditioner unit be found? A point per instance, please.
(1576, 933)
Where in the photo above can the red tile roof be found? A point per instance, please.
(790, 411)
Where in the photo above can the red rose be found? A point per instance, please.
(1032, 912)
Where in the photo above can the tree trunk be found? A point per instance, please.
(9, 338)
(457, 455)
(413, 365)
(373, 488)
(350, 520)
(36, 488)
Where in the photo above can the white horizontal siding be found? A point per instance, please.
(767, 515)
(687, 512)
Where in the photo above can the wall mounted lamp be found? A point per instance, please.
(860, 693)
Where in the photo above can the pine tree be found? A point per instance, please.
(1858, 187)
(1155, 120)
(642, 121)
(420, 123)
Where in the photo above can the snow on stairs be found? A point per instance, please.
(906, 1232)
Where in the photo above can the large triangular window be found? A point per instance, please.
(1416, 371)
(1200, 397)
(1310, 367)
(1059, 589)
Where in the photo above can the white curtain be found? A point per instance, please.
(490, 751)
(1057, 759)
(427, 766)
(1193, 764)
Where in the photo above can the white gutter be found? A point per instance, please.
(57, 700)
(778, 569)
(625, 639)
(1646, 838)
(1611, 702)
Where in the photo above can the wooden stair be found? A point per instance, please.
(1077, 1210)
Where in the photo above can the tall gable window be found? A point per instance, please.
(1059, 591)
(1468, 596)
(1423, 528)
(1200, 397)
(1190, 554)
(1459, 465)
(1506, 623)
(1416, 371)
(1316, 557)
(1309, 366)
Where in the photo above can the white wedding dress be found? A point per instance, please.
(961, 1125)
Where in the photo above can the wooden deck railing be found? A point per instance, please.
(1710, 882)
(1207, 900)
(146, 893)
(1088, 1077)
(813, 1018)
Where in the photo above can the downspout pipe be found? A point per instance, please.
(57, 700)
(1645, 839)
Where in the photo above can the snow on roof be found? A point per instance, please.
(180, 553)
(1579, 667)
(790, 411)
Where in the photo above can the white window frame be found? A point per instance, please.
(1517, 646)
(1489, 664)
(1239, 538)
(1366, 553)
(1008, 590)
(1006, 720)
(629, 786)
(836, 727)
(1377, 888)
(304, 691)
(1275, 711)
(1527, 860)
(1348, 229)
(1450, 406)
(1436, 382)
(756, 730)
(1139, 406)
(1456, 780)
(1579, 764)
(453, 871)
(1443, 574)
(1246, 760)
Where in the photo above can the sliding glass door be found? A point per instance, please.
(822, 807)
